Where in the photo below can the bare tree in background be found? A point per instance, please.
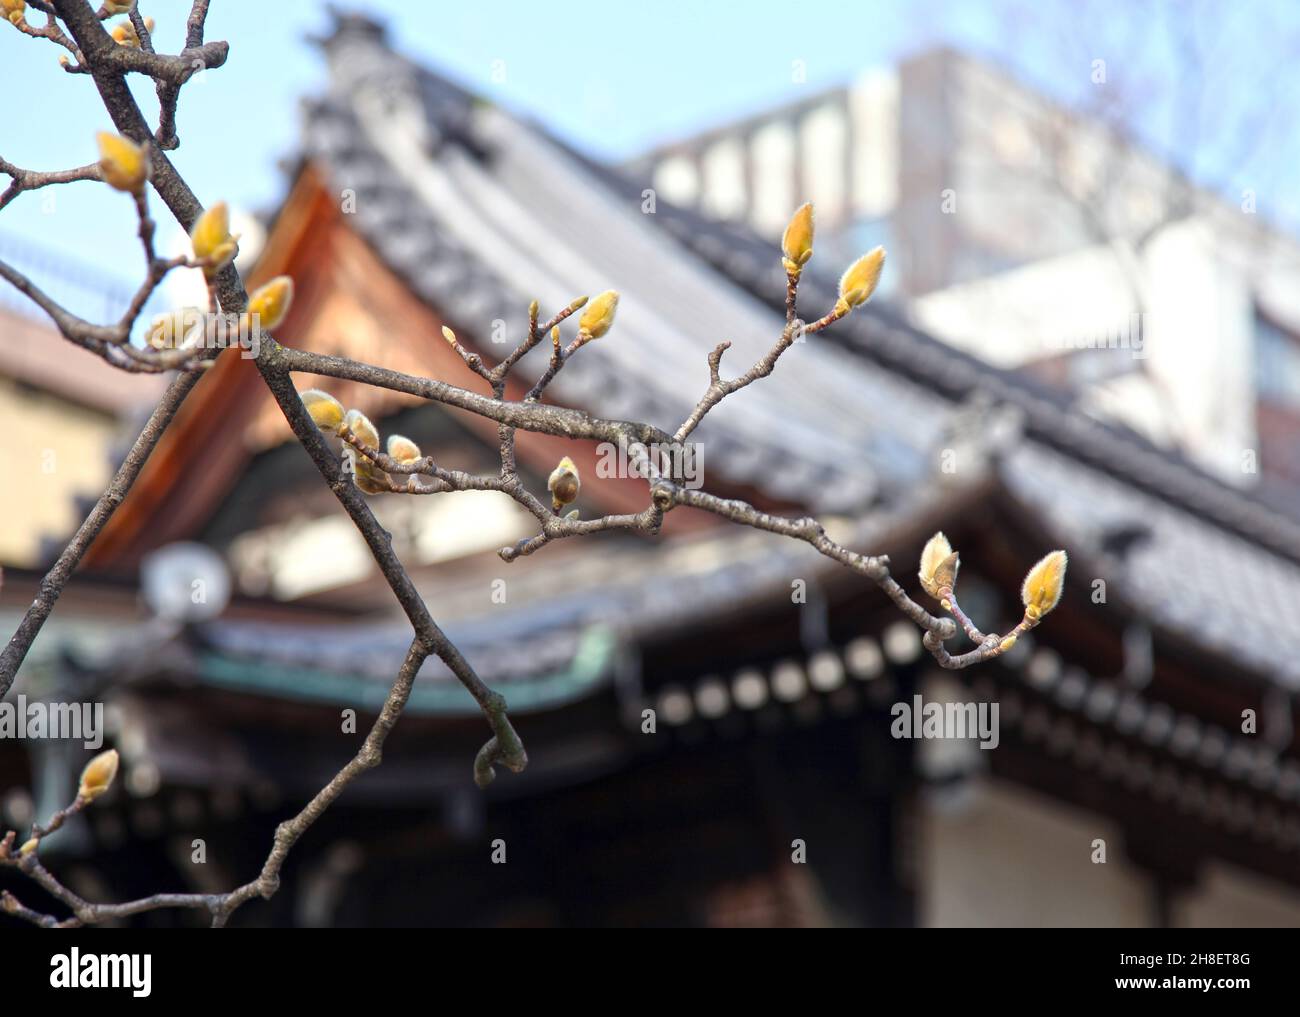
(1169, 110)
(108, 47)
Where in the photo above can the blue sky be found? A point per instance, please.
(614, 78)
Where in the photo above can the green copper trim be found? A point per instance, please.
(591, 664)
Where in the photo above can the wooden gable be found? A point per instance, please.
(347, 303)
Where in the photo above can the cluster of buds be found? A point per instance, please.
(1040, 592)
(211, 240)
(328, 414)
(858, 282)
(123, 163)
(186, 327)
(13, 10)
(124, 33)
(564, 484)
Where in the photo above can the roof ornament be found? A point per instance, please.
(350, 24)
(386, 89)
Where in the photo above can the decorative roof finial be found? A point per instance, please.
(351, 25)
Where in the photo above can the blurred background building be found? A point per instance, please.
(230, 616)
(1036, 237)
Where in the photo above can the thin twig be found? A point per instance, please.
(53, 582)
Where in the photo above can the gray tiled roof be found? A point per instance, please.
(1226, 593)
(480, 212)
(487, 213)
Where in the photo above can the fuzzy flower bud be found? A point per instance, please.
(13, 10)
(860, 280)
(180, 329)
(211, 239)
(326, 411)
(599, 315)
(270, 303)
(124, 164)
(359, 426)
(403, 449)
(938, 566)
(1043, 585)
(797, 241)
(98, 775)
(564, 484)
(124, 33)
(365, 474)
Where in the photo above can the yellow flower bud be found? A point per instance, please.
(326, 411)
(564, 484)
(124, 33)
(578, 304)
(797, 241)
(359, 426)
(119, 7)
(28, 847)
(937, 551)
(1006, 644)
(365, 474)
(211, 239)
(176, 329)
(449, 335)
(270, 303)
(599, 315)
(859, 282)
(945, 576)
(13, 10)
(1043, 585)
(403, 449)
(98, 775)
(124, 164)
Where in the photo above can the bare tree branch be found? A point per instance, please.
(31, 180)
(54, 581)
(221, 906)
(108, 63)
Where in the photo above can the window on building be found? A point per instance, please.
(1277, 364)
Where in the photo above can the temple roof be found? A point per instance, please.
(479, 211)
